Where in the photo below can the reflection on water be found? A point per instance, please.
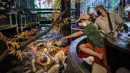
(123, 39)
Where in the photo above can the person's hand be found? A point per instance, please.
(118, 29)
(64, 38)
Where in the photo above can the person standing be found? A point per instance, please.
(108, 22)
(92, 16)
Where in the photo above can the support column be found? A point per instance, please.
(66, 29)
(77, 8)
(128, 16)
(122, 8)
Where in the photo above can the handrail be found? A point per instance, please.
(73, 60)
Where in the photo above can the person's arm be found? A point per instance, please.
(120, 25)
(118, 21)
(97, 23)
(102, 32)
(76, 34)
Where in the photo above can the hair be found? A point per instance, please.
(101, 7)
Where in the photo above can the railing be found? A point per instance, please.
(74, 63)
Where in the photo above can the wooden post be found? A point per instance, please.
(122, 8)
(77, 9)
(66, 29)
(128, 16)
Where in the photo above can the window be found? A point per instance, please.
(44, 4)
(87, 6)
